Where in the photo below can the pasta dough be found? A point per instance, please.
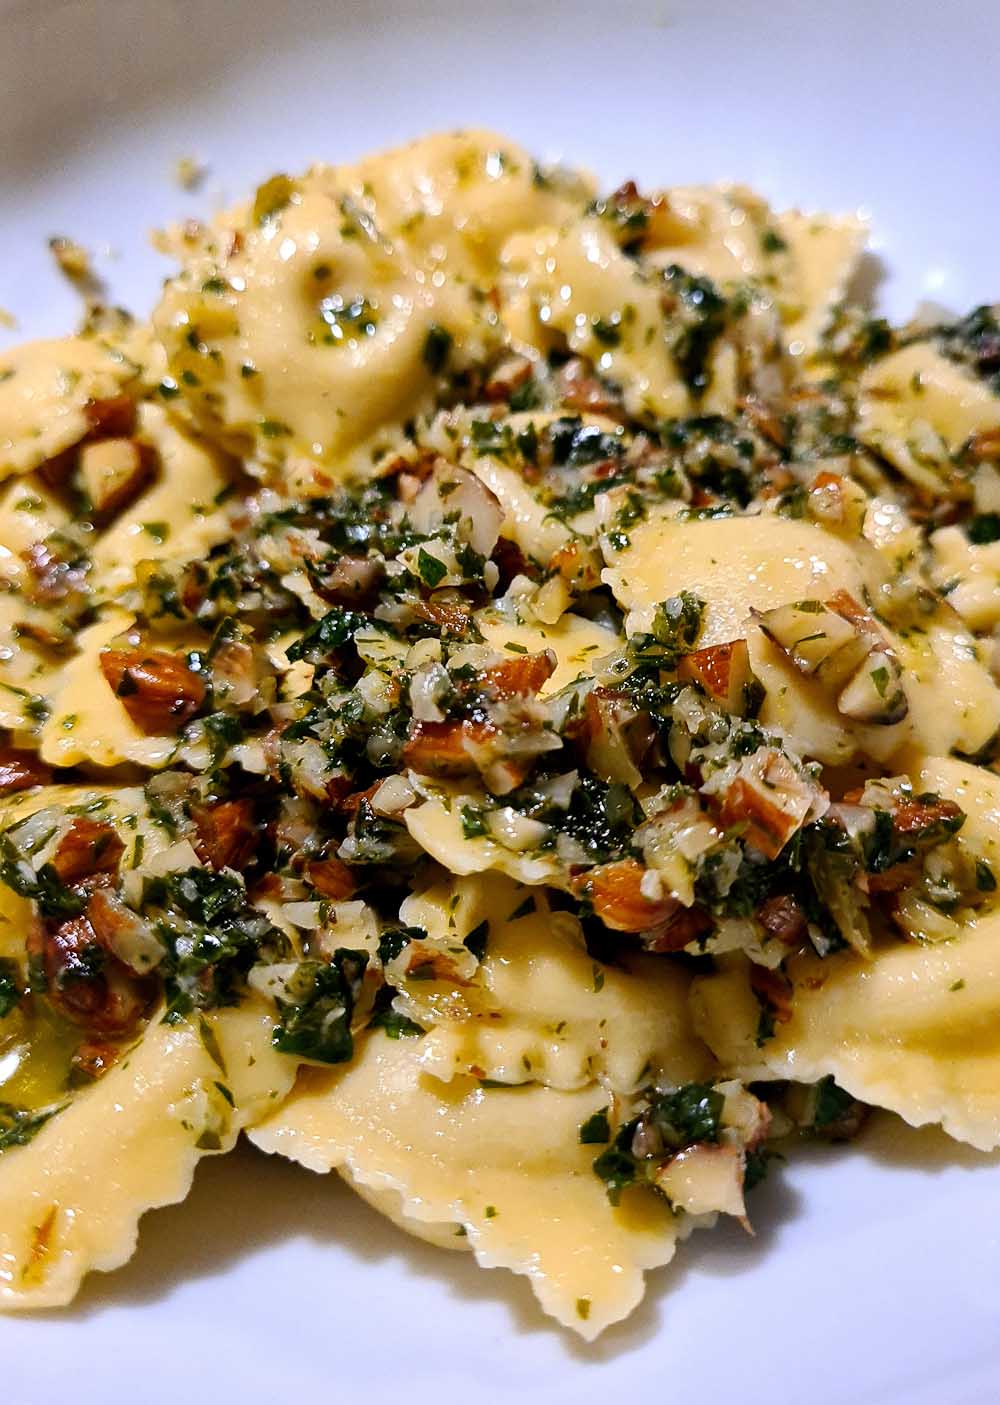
(45, 390)
(539, 1010)
(914, 1029)
(505, 1164)
(71, 1200)
(469, 666)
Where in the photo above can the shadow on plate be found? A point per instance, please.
(268, 1201)
(265, 1201)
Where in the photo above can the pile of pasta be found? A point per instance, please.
(499, 700)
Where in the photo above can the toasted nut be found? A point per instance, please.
(522, 676)
(819, 642)
(20, 770)
(354, 581)
(510, 561)
(226, 834)
(113, 418)
(875, 693)
(503, 381)
(102, 995)
(723, 671)
(52, 579)
(614, 892)
(579, 565)
(838, 502)
(447, 614)
(704, 1179)
(580, 389)
(764, 420)
(616, 735)
(94, 1057)
(918, 817)
(768, 826)
(773, 990)
(685, 925)
(985, 446)
(426, 964)
(771, 800)
(113, 471)
(781, 917)
(446, 748)
(332, 877)
(158, 690)
(88, 847)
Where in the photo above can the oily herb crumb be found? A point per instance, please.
(315, 1013)
(432, 571)
(437, 346)
(596, 1130)
(10, 988)
(985, 878)
(477, 939)
(18, 1125)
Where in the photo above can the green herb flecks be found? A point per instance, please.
(315, 1014)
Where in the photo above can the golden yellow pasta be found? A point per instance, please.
(499, 699)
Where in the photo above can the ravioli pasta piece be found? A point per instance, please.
(87, 722)
(45, 388)
(970, 574)
(177, 517)
(825, 253)
(577, 282)
(575, 641)
(734, 564)
(506, 1164)
(437, 826)
(335, 280)
(527, 522)
(29, 672)
(458, 196)
(728, 233)
(954, 701)
(29, 511)
(540, 1009)
(390, 1204)
(914, 1030)
(737, 565)
(71, 1199)
(917, 409)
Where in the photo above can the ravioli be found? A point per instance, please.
(71, 1200)
(338, 280)
(88, 723)
(577, 283)
(506, 1164)
(539, 1009)
(735, 565)
(918, 409)
(46, 388)
(177, 517)
(499, 697)
(914, 1029)
(741, 568)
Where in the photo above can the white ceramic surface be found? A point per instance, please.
(873, 1277)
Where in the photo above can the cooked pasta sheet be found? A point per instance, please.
(498, 698)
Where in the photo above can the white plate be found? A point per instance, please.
(873, 1276)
